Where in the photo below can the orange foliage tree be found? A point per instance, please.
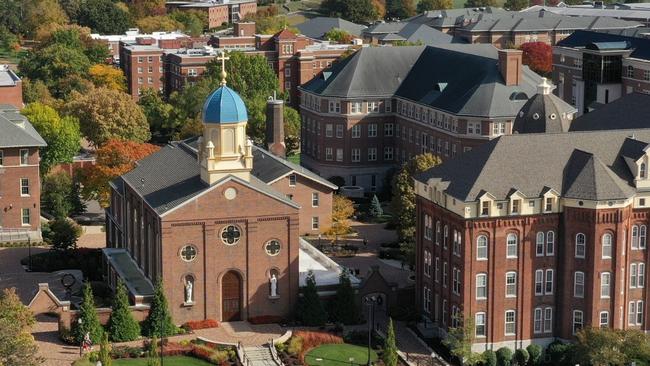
(114, 158)
(538, 56)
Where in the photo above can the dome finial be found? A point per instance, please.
(223, 73)
(545, 87)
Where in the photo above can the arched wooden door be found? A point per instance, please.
(231, 291)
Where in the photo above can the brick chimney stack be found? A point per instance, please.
(244, 29)
(510, 66)
(275, 127)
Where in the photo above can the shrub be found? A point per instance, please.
(490, 358)
(64, 234)
(201, 324)
(521, 357)
(504, 356)
(295, 346)
(535, 353)
(310, 340)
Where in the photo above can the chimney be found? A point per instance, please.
(275, 127)
(510, 66)
(244, 29)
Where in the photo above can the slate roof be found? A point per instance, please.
(581, 39)
(171, 176)
(579, 11)
(317, 27)
(544, 113)
(474, 85)
(16, 130)
(630, 111)
(7, 76)
(543, 21)
(410, 32)
(581, 165)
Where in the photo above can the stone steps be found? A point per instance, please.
(259, 356)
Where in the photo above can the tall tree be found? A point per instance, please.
(403, 202)
(400, 9)
(114, 158)
(344, 306)
(158, 114)
(11, 15)
(104, 355)
(538, 56)
(426, 5)
(390, 347)
(159, 321)
(194, 21)
(356, 11)
(158, 23)
(310, 310)
(104, 17)
(17, 345)
(342, 210)
(515, 5)
(108, 114)
(56, 194)
(89, 321)
(460, 339)
(144, 8)
(291, 129)
(107, 76)
(61, 134)
(122, 326)
(41, 13)
(479, 3)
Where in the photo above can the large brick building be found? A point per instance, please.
(11, 87)
(383, 105)
(216, 218)
(218, 12)
(20, 183)
(595, 68)
(536, 235)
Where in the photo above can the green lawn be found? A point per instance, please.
(169, 361)
(339, 355)
(294, 158)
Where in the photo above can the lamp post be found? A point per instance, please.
(370, 302)
(320, 246)
(81, 342)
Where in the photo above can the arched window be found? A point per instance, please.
(607, 246)
(580, 245)
(635, 237)
(539, 244)
(642, 236)
(642, 171)
(511, 246)
(482, 247)
(437, 232)
(550, 243)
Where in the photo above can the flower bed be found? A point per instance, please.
(200, 324)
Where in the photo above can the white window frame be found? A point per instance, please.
(372, 154)
(578, 319)
(548, 319)
(604, 324)
(510, 323)
(24, 187)
(24, 222)
(315, 199)
(355, 155)
(315, 223)
(548, 282)
(580, 242)
(355, 132)
(482, 246)
(511, 284)
(550, 243)
(372, 130)
(480, 324)
(540, 244)
(579, 284)
(538, 320)
(606, 246)
(481, 286)
(512, 242)
(605, 285)
(539, 282)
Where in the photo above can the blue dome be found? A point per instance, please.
(224, 105)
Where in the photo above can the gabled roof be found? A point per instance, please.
(630, 111)
(284, 34)
(587, 165)
(16, 130)
(411, 32)
(317, 27)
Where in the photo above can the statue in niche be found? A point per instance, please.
(274, 285)
(189, 289)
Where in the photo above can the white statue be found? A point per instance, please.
(188, 290)
(274, 285)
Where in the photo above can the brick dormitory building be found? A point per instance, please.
(538, 234)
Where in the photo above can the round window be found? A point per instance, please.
(272, 247)
(188, 253)
(230, 235)
(553, 116)
(536, 116)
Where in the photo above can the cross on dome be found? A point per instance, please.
(223, 59)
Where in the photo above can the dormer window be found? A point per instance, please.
(516, 206)
(642, 171)
(485, 208)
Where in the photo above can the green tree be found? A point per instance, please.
(158, 114)
(17, 345)
(89, 323)
(375, 207)
(36, 91)
(535, 353)
(63, 234)
(504, 356)
(403, 201)
(291, 129)
(310, 310)
(122, 326)
(345, 309)
(426, 5)
(489, 358)
(56, 193)
(390, 347)
(159, 321)
(460, 339)
(479, 3)
(521, 357)
(400, 8)
(104, 17)
(158, 23)
(104, 355)
(338, 35)
(41, 13)
(108, 114)
(193, 21)
(11, 15)
(560, 354)
(356, 11)
(515, 5)
(62, 135)
(606, 346)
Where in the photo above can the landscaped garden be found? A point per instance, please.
(169, 361)
(338, 355)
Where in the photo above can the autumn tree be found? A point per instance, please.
(17, 345)
(380, 8)
(538, 56)
(400, 9)
(106, 114)
(41, 13)
(460, 339)
(61, 134)
(114, 158)
(356, 11)
(515, 5)
(426, 5)
(479, 3)
(107, 76)
(158, 23)
(342, 210)
(193, 21)
(338, 35)
(145, 8)
(158, 114)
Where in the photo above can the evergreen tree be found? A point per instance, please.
(390, 348)
(535, 353)
(345, 309)
(375, 207)
(521, 357)
(89, 323)
(159, 321)
(152, 352)
(122, 326)
(310, 308)
(515, 5)
(105, 351)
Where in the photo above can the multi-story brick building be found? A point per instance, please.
(595, 68)
(11, 87)
(218, 12)
(162, 39)
(20, 183)
(217, 219)
(537, 235)
(383, 105)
